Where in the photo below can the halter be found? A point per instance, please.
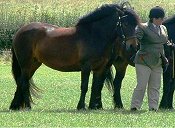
(123, 37)
(119, 25)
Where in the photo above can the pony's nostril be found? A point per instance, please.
(132, 47)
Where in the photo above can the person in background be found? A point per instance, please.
(152, 36)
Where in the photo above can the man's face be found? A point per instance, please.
(157, 21)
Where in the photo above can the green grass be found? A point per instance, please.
(59, 97)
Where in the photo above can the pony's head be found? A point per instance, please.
(110, 21)
(128, 20)
(170, 25)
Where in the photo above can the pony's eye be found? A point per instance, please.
(125, 25)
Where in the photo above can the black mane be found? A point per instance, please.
(106, 10)
(132, 17)
(169, 20)
(101, 24)
(99, 13)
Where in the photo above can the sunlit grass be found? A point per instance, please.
(60, 95)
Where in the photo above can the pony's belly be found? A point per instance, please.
(65, 67)
(61, 61)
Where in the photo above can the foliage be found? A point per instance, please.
(15, 13)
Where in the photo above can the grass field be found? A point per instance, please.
(59, 97)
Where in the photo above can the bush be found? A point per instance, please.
(16, 13)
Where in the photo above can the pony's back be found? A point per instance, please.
(170, 25)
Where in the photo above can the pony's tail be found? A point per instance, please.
(16, 70)
(109, 80)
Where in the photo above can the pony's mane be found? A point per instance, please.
(132, 17)
(169, 20)
(106, 10)
(99, 13)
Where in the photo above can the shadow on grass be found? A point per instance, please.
(102, 111)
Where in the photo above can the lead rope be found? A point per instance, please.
(173, 63)
(172, 60)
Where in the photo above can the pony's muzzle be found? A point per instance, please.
(131, 44)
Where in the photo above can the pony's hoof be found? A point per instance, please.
(14, 108)
(26, 109)
(18, 107)
(118, 107)
(81, 107)
(166, 107)
(96, 107)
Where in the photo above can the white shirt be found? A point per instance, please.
(157, 28)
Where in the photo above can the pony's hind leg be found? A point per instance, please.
(21, 94)
(25, 91)
(22, 98)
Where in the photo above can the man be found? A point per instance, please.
(148, 63)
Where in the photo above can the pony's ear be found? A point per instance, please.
(120, 11)
(126, 5)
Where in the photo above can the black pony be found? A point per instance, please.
(86, 47)
(169, 75)
(127, 22)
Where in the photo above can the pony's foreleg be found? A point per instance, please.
(168, 83)
(168, 91)
(84, 88)
(117, 94)
(170, 95)
(120, 73)
(97, 85)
